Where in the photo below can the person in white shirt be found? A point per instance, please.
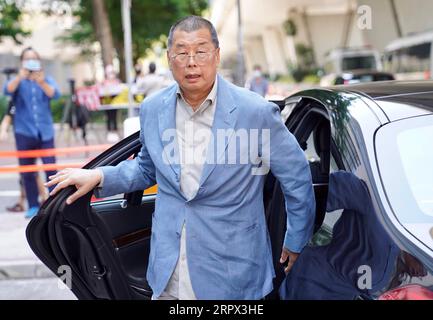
(150, 82)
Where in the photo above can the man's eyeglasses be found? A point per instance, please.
(200, 57)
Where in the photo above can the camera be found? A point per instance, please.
(9, 71)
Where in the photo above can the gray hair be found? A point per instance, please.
(193, 23)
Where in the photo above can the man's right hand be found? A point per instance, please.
(14, 83)
(83, 179)
(23, 73)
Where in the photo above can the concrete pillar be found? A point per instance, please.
(274, 51)
(255, 54)
(291, 50)
(287, 45)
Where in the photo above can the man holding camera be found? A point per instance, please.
(31, 93)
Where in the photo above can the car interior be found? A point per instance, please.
(129, 229)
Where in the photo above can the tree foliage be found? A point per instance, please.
(150, 21)
(10, 17)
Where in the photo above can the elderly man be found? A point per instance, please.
(209, 234)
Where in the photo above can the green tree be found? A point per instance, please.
(150, 21)
(10, 17)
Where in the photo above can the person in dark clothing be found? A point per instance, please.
(333, 271)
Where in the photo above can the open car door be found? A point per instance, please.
(309, 124)
(102, 246)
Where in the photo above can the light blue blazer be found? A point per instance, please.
(228, 245)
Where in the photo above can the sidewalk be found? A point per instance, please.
(17, 260)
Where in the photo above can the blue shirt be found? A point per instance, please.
(259, 85)
(32, 109)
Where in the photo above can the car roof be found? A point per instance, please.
(398, 99)
(384, 89)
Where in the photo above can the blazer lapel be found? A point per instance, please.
(224, 122)
(167, 133)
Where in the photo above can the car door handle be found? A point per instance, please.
(124, 204)
(99, 273)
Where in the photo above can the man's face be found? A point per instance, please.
(193, 74)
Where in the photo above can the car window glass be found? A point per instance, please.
(361, 62)
(408, 182)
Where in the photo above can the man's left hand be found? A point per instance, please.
(285, 253)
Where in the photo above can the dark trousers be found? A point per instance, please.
(111, 120)
(29, 178)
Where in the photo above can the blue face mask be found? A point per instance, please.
(32, 65)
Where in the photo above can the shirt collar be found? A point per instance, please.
(210, 99)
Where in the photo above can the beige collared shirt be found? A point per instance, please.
(194, 130)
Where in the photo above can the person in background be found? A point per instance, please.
(31, 92)
(138, 71)
(109, 87)
(258, 83)
(150, 82)
(43, 195)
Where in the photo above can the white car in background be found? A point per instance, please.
(341, 60)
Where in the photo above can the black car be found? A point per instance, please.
(356, 76)
(370, 152)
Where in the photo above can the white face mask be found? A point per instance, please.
(257, 73)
